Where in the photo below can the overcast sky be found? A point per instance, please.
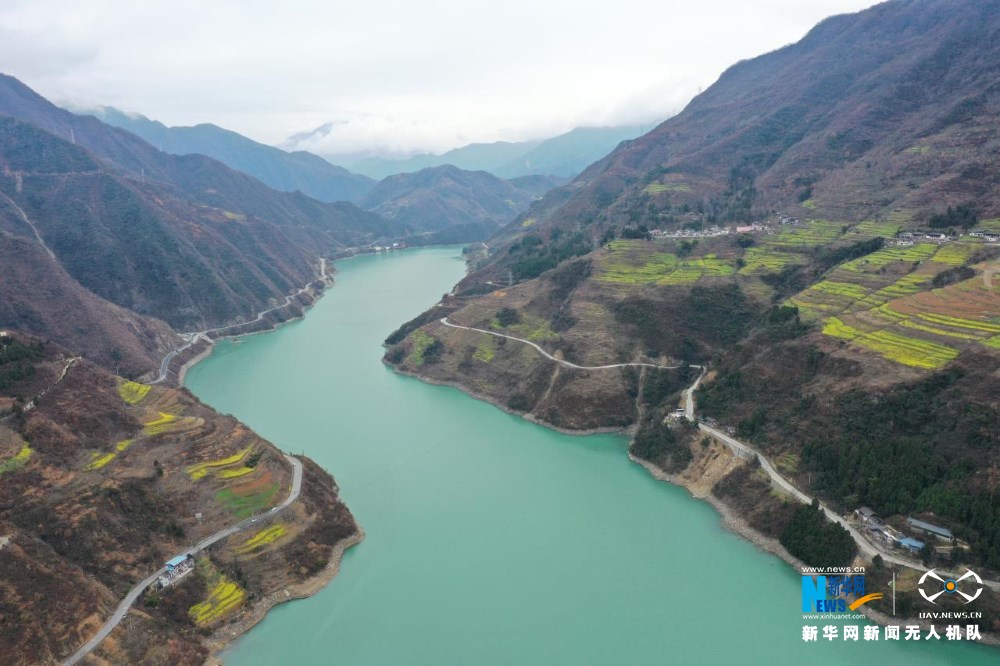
(393, 74)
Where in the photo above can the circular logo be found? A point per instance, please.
(932, 589)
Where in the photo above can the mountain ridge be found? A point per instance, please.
(285, 171)
(816, 228)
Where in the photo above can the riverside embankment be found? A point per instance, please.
(490, 539)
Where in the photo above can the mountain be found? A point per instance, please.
(863, 364)
(447, 204)
(565, 155)
(892, 132)
(184, 239)
(285, 171)
(568, 154)
(103, 480)
(473, 157)
(36, 293)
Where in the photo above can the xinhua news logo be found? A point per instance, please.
(837, 593)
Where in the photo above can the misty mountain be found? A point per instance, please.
(473, 157)
(568, 154)
(448, 204)
(898, 129)
(565, 155)
(285, 171)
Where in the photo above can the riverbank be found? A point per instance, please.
(201, 347)
(708, 467)
(450, 489)
(531, 418)
(222, 637)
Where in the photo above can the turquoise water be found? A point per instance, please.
(491, 540)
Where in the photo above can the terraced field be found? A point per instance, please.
(636, 262)
(956, 254)
(807, 235)
(171, 423)
(247, 498)
(224, 597)
(885, 303)
(486, 349)
(762, 259)
(132, 392)
(17, 461)
(266, 536)
(658, 188)
(99, 460)
(421, 342)
(871, 228)
(530, 327)
(201, 470)
(907, 351)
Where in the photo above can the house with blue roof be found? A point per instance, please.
(912, 545)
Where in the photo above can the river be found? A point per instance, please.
(491, 540)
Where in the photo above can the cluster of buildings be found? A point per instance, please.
(907, 238)
(890, 536)
(987, 236)
(378, 249)
(689, 233)
(176, 568)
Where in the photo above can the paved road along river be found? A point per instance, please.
(491, 540)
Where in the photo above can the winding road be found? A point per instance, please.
(62, 375)
(136, 591)
(444, 320)
(192, 338)
(867, 548)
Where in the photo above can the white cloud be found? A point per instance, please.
(399, 74)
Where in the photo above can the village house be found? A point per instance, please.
(942, 533)
(912, 545)
(867, 516)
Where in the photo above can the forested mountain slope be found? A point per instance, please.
(447, 203)
(184, 239)
(866, 362)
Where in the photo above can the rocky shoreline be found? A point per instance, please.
(195, 355)
(627, 430)
(225, 635)
(730, 518)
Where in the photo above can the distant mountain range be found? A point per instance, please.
(445, 204)
(285, 171)
(434, 204)
(139, 241)
(565, 155)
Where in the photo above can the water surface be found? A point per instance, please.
(491, 540)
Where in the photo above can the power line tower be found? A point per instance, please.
(510, 279)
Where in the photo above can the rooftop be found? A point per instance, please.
(175, 561)
(927, 527)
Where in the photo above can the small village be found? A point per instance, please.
(777, 220)
(942, 541)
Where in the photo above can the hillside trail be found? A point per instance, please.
(866, 547)
(568, 364)
(27, 220)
